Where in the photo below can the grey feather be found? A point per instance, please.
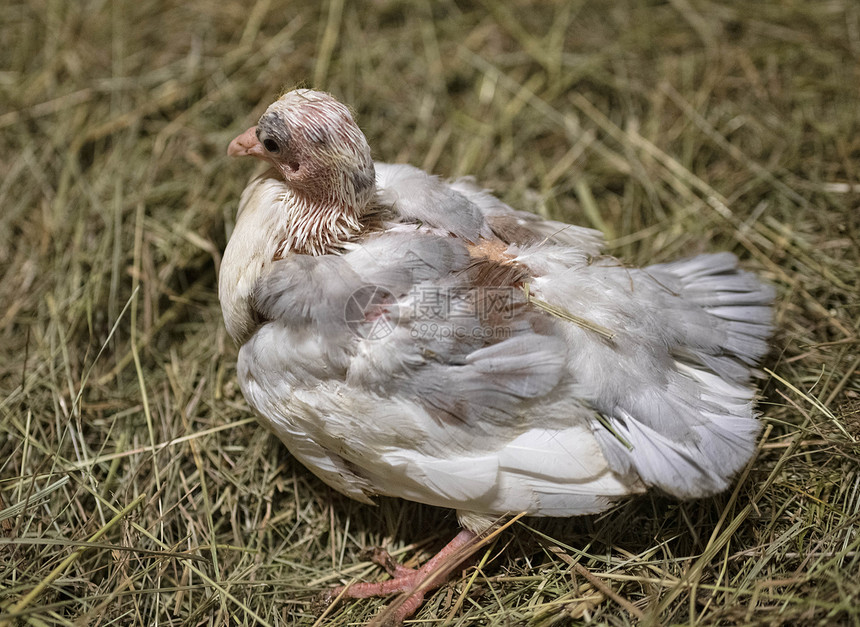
(422, 198)
(399, 260)
(306, 288)
(491, 383)
(523, 228)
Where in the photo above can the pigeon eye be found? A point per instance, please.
(271, 145)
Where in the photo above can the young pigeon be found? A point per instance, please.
(411, 337)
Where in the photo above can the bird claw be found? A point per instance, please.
(411, 583)
(391, 616)
(323, 600)
(375, 554)
(382, 557)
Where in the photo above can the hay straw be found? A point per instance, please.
(677, 128)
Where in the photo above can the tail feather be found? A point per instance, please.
(724, 317)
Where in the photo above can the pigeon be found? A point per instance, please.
(413, 337)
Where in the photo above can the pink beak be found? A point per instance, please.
(246, 145)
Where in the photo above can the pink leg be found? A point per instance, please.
(414, 583)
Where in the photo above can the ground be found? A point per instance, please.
(136, 487)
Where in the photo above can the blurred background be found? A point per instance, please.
(135, 486)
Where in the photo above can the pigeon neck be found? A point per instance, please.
(324, 216)
(315, 228)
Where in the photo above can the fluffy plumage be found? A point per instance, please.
(471, 397)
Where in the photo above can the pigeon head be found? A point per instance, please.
(313, 142)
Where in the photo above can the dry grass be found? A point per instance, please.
(136, 490)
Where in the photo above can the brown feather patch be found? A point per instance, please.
(493, 266)
(510, 229)
(497, 281)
